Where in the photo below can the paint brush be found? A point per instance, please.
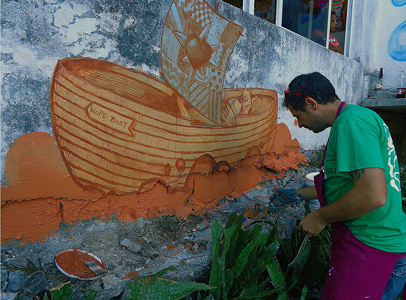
(94, 267)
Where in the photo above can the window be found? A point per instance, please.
(236, 3)
(266, 9)
(312, 19)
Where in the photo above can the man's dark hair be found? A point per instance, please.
(313, 85)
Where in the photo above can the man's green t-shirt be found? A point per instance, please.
(360, 139)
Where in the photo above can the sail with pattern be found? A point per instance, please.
(196, 45)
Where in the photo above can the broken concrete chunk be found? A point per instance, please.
(134, 247)
(110, 282)
(8, 296)
(139, 246)
(204, 235)
(201, 226)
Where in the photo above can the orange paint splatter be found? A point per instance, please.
(180, 164)
(167, 169)
(131, 275)
(35, 172)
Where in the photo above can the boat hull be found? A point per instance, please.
(118, 129)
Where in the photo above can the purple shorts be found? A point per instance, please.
(357, 271)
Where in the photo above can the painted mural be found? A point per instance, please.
(118, 129)
(397, 43)
(397, 39)
(120, 142)
(399, 2)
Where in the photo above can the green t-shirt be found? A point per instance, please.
(360, 139)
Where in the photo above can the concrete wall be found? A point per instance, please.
(35, 34)
(270, 56)
(378, 38)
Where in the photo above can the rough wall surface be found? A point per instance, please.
(36, 34)
(378, 38)
(390, 49)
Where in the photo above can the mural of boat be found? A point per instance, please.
(118, 129)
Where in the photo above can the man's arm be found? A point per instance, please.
(369, 193)
(307, 193)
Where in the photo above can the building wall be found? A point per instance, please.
(378, 38)
(36, 34)
(381, 43)
(270, 56)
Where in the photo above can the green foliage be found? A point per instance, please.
(29, 268)
(249, 264)
(156, 288)
(287, 271)
(240, 258)
(315, 259)
(65, 292)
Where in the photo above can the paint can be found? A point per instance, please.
(314, 204)
(310, 178)
(401, 93)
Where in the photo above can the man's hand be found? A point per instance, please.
(312, 225)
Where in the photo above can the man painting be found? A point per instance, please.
(359, 192)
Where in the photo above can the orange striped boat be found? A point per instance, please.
(118, 128)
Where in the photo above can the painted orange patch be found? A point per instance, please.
(35, 172)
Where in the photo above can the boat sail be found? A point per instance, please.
(118, 129)
(196, 45)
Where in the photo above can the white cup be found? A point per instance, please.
(313, 203)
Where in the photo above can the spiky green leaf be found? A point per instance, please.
(276, 274)
(148, 288)
(215, 258)
(91, 294)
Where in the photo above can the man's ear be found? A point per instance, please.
(311, 103)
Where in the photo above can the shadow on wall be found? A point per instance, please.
(129, 145)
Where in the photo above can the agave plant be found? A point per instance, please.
(239, 259)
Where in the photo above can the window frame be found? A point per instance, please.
(249, 6)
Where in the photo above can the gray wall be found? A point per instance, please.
(35, 34)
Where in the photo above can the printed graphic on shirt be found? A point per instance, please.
(392, 159)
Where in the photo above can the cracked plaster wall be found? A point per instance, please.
(35, 34)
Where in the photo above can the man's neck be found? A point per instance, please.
(330, 111)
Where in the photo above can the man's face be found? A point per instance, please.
(309, 119)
